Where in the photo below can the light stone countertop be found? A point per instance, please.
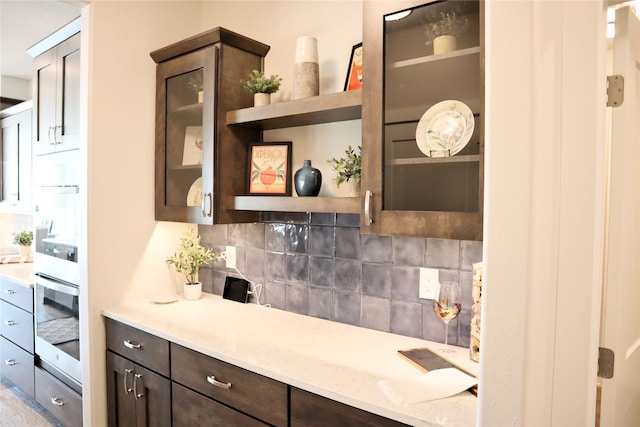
(20, 273)
(334, 360)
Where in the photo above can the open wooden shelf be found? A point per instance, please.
(335, 107)
(298, 204)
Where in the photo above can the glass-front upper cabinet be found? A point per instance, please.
(200, 163)
(422, 119)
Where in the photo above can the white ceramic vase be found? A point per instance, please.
(444, 44)
(306, 72)
(192, 291)
(353, 188)
(261, 99)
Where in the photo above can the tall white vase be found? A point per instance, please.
(306, 72)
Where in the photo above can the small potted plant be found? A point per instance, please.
(188, 260)
(443, 29)
(195, 84)
(261, 87)
(23, 239)
(349, 168)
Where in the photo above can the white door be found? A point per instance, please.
(621, 298)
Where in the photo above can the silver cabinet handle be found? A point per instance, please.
(132, 345)
(10, 362)
(51, 141)
(135, 386)
(57, 401)
(207, 204)
(367, 207)
(212, 380)
(9, 322)
(9, 291)
(127, 389)
(55, 140)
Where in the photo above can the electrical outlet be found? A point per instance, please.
(429, 283)
(230, 257)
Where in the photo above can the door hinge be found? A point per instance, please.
(615, 90)
(606, 359)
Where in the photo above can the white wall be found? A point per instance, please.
(11, 87)
(126, 247)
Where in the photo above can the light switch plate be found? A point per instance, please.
(429, 283)
(230, 257)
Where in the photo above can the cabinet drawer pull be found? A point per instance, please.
(51, 141)
(135, 386)
(127, 389)
(10, 362)
(55, 139)
(57, 401)
(367, 207)
(212, 380)
(9, 291)
(9, 322)
(132, 345)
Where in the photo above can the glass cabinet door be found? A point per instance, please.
(422, 140)
(185, 168)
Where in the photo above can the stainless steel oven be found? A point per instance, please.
(55, 263)
(57, 331)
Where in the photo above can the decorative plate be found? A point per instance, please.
(164, 299)
(194, 196)
(445, 129)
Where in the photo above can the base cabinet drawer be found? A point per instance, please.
(141, 347)
(16, 325)
(17, 294)
(311, 410)
(192, 409)
(246, 391)
(17, 366)
(62, 402)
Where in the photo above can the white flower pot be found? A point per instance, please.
(353, 188)
(25, 250)
(192, 291)
(261, 99)
(444, 44)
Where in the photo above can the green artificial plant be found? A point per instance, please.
(23, 238)
(349, 167)
(258, 83)
(191, 256)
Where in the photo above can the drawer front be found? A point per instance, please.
(17, 366)
(17, 294)
(251, 393)
(143, 348)
(192, 409)
(62, 402)
(311, 410)
(16, 325)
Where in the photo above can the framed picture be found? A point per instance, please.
(354, 73)
(192, 153)
(269, 168)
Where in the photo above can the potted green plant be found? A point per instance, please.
(188, 260)
(195, 84)
(444, 28)
(261, 86)
(23, 239)
(349, 168)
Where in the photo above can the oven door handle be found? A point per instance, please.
(65, 289)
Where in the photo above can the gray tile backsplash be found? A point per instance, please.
(320, 265)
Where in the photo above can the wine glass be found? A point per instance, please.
(447, 306)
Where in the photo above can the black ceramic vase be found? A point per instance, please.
(307, 180)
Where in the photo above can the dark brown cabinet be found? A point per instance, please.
(311, 410)
(56, 92)
(200, 162)
(15, 152)
(245, 391)
(136, 396)
(422, 115)
(138, 387)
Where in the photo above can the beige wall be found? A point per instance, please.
(125, 246)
